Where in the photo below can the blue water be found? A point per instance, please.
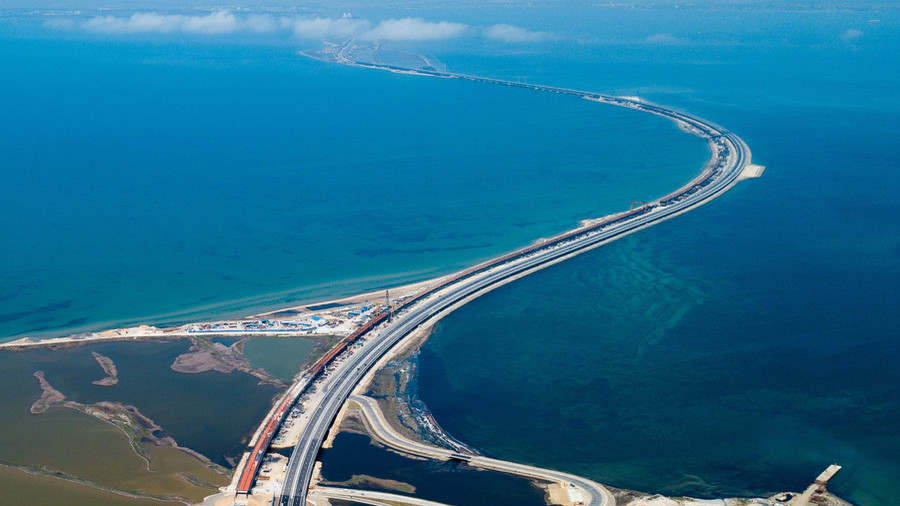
(443, 482)
(161, 180)
(736, 350)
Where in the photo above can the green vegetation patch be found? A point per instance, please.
(168, 460)
(364, 481)
(71, 444)
(95, 451)
(20, 487)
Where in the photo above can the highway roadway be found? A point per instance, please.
(371, 497)
(337, 384)
(594, 493)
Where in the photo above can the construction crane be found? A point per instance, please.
(387, 302)
(642, 203)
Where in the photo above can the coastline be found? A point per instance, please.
(362, 414)
(393, 414)
(145, 332)
(763, 271)
(154, 333)
(719, 157)
(730, 156)
(409, 340)
(163, 460)
(149, 332)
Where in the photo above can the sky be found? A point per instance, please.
(302, 26)
(510, 22)
(420, 4)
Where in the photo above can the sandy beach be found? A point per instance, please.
(229, 326)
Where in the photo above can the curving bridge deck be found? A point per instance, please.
(594, 493)
(730, 157)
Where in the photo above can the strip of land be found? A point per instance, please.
(109, 367)
(149, 465)
(304, 415)
(330, 382)
(326, 318)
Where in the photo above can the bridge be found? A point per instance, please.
(344, 367)
(381, 430)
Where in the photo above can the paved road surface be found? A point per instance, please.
(594, 493)
(338, 383)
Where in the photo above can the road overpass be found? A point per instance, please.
(371, 497)
(380, 429)
(344, 368)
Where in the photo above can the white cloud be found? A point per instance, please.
(666, 39)
(415, 29)
(150, 22)
(851, 34)
(511, 33)
(138, 22)
(323, 28)
(217, 22)
(225, 21)
(261, 23)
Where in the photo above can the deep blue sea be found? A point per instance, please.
(739, 349)
(443, 482)
(736, 350)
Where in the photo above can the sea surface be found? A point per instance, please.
(163, 180)
(443, 482)
(736, 350)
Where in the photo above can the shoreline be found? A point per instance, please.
(145, 332)
(143, 434)
(154, 333)
(353, 418)
(150, 333)
(730, 158)
(247, 307)
(162, 330)
(109, 368)
(374, 422)
(749, 171)
(716, 164)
